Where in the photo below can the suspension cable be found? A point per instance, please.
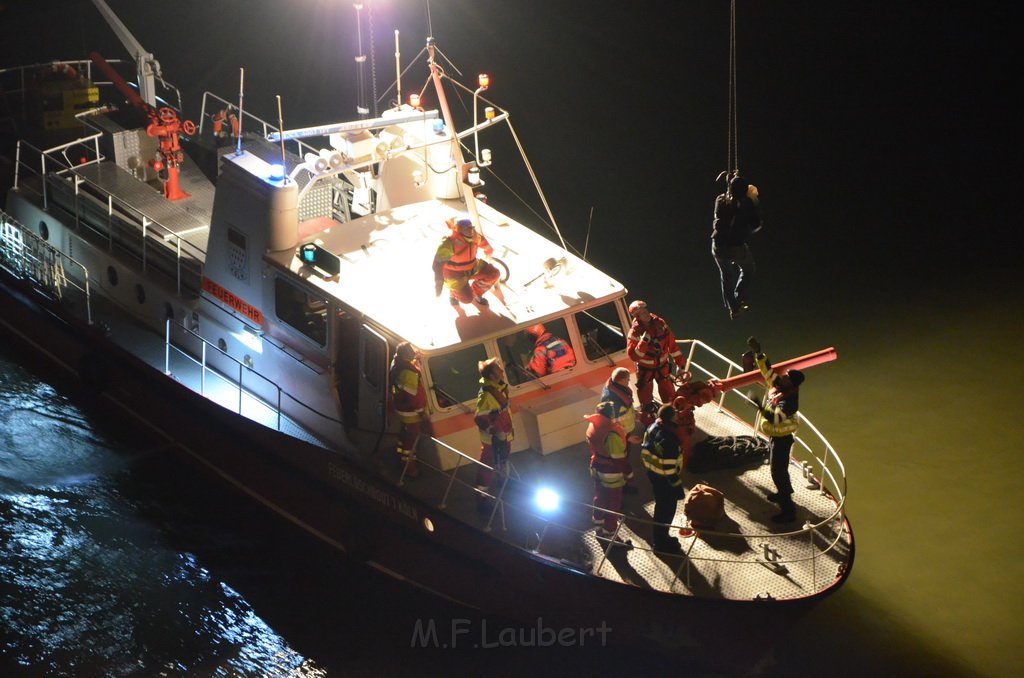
(732, 162)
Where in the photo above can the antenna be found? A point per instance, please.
(361, 108)
(280, 127)
(241, 97)
(586, 243)
(398, 70)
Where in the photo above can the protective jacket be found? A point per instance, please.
(736, 219)
(621, 398)
(456, 255)
(408, 395)
(651, 346)
(607, 443)
(661, 452)
(551, 354)
(493, 418)
(780, 415)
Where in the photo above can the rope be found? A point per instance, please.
(733, 160)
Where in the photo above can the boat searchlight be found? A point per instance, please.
(547, 500)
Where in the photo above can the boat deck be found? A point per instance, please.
(746, 557)
(188, 219)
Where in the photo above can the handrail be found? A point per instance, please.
(301, 147)
(54, 162)
(29, 256)
(242, 369)
(831, 477)
(582, 510)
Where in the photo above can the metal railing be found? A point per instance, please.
(831, 473)
(112, 221)
(822, 468)
(26, 255)
(248, 382)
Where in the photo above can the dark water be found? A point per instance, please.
(879, 134)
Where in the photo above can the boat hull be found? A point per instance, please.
(337, 501)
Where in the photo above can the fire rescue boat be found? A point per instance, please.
(236, 313)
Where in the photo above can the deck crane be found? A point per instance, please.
(147, 67)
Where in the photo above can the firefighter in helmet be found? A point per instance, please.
(457, 267)
(409, 400)
(652, 346)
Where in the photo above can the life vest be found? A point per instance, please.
(607, 443)
(408, 396)
(492, 412)
(463, 253)
(551, 354)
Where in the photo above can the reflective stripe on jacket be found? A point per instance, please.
(493, 418)
(652, 346)
(607, 443)
(408, 396)
(781, 414)
(661, 452)
(551, 354)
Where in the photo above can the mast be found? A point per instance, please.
(460, 163)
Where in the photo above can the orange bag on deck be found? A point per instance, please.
(704, 506)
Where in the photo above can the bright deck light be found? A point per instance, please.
(547, 499)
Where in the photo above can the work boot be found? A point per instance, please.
(481, 301)
(670, 546)
(785, 516)
(788, 512)
(740, 309)
(454, 301)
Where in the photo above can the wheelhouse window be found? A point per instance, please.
(601, 330)
(517, 353)
(456, 376)
(301, 310)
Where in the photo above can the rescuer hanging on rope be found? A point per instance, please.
(736, 218)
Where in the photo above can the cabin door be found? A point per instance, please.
(373, 379)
